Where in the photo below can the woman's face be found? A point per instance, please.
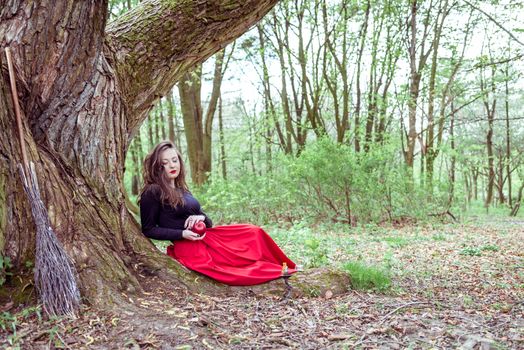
(170, 162)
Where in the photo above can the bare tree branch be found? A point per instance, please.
(494, 21)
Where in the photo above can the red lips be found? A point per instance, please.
(173, 172)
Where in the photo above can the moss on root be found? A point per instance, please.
(318, 282)
(309, 283)
(18, 288)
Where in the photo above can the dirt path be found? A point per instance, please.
(454, 286)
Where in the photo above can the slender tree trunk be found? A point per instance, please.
(422, 154)
(308, 98)
(413, 87)
(362, 35)
(270, 117)
(289, 134)
(500, 176)
(199, 128)
(162, 119)
(430, 152)
(374, 83)
(191, 107)
(508, 135)
(467, 186)
(475, 176)
(150, 129)
(269, 108)
(516, 207)
(332, 75)
(221, 140)
(171, 119)
(453, 156)
(157, 120)
(392, 56)
(417, 65)
(490, 113)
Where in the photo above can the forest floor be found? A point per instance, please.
(453, 286)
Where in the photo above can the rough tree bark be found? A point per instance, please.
(85, 87)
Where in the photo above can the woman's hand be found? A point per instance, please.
(193, 219)
(192, 236)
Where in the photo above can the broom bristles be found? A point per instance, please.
(55, 274)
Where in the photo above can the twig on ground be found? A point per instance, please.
(402, 307)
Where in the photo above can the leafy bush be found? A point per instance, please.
(5, 265)
(327, 182)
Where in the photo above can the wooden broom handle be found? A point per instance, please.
(14, 93)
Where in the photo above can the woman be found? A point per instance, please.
(234, 254)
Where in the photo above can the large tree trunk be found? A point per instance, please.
(198, 127)
(191, 107)
(84, 91)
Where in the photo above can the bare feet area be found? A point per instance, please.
(452, 286)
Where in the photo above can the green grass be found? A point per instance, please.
(439, 237)
(477, 210)
(365, 277)
(396, 242)
(490, 247)
(471, 251)
(161, 245)
(477, 251)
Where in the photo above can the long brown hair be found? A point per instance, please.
(155, 177)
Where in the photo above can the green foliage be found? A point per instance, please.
(396, 242)
(471, 251)
(5, 265)
(327, 182)
(439, 237)
(364, 277)
(10, 323)
(316, 252)
(477, 251)
(490, 247)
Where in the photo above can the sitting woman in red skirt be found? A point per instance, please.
(236, 254)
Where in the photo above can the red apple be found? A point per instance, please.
(199, 228)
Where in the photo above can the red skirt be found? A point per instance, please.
(238, 255)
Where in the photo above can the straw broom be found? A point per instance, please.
(55, 274)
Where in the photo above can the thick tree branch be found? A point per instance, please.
(155, 43)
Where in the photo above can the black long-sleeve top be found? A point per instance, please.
(162, 221)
